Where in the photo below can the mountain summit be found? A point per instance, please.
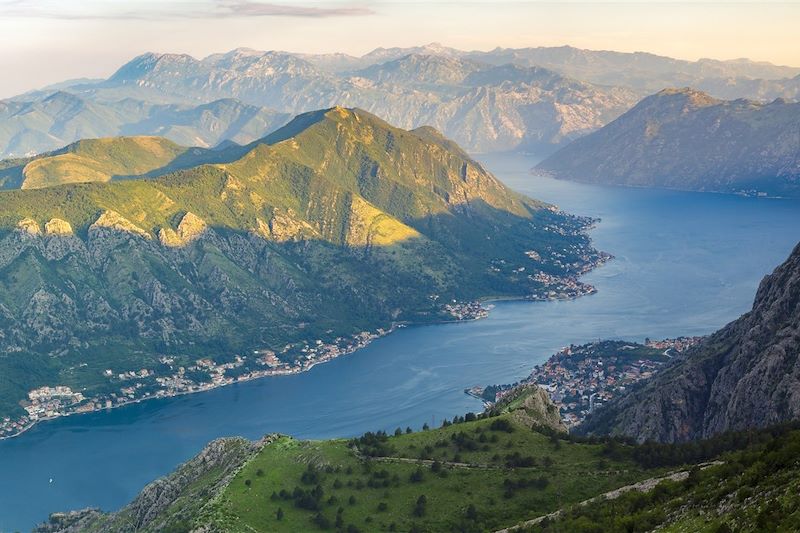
(301, 245)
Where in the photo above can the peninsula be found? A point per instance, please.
(135, 268)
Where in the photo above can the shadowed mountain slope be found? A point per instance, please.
(685, 139)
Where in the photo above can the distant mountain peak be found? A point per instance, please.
(147, 63)
(694, 95)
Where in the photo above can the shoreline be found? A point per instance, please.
(483, 303)
(269, 374)
(550, 175)
(266, 374)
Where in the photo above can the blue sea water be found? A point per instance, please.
(685, 264)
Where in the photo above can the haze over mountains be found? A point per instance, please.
(188, 223)
(506, 99)
(685, 139)
(59, 118)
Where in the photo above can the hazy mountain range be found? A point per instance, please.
(33, 126)
(504, 99)
(641, 71)
(685, 139)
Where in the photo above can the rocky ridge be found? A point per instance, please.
(746, 375)
(184, 492)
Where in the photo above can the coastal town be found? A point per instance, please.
(173, 376)
(582, 378)
(170, 378)
(566, 285)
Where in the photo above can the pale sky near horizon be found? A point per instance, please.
(46, 41)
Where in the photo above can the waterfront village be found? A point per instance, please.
(582, 378)
(169, 378)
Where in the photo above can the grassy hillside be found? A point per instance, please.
(489, 472)
(101, 160)
(97, 160)
(755, 489)
(335, 225)
(476, 473)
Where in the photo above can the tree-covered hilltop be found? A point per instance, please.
(334, 225)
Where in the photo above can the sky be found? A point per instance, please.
(46, 41)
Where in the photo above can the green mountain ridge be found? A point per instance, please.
(92, 160)
(478, 473)
(335, 225)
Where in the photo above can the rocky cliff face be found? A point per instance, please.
(531, 406)
(182, 493)
(685, 139)
(746, 375)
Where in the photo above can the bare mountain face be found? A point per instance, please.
(532, 99)
(504, 108)
(641, 71)
(685, 139)
(746, 375)
(762, 90)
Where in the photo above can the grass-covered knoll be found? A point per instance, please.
(475, 473)
(101, 160)
(93, 160)
(472, 490)
(338, 223)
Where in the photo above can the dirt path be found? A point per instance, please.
(641, 486)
